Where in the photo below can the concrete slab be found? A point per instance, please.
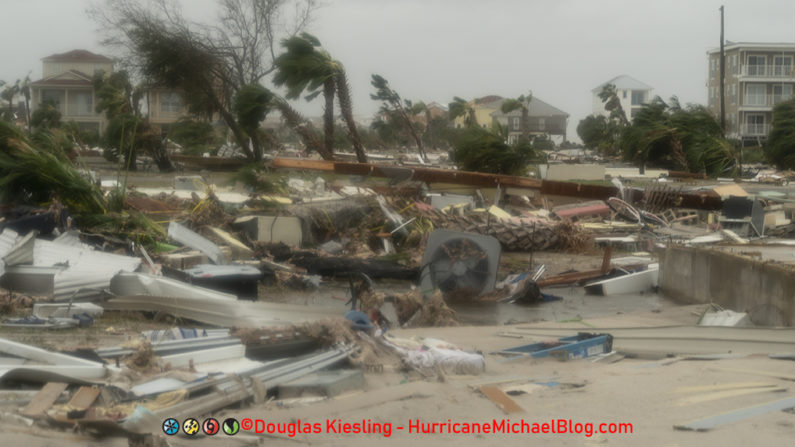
(286, 229)
(323, 383)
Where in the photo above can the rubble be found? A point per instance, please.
(258, 292)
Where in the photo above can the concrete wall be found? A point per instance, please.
(765, 290)
(565, 171)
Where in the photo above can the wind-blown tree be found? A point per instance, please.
(481, 150)
(24, 89)
(46, 116)
(609, 96)
(391, 101)
(521, 103)
(252, 104)
(7, 94)
(600, 133)
(209, 63)
(128, 131)
(780, 145)
(461, 107)
(305, 67)
(675, 137)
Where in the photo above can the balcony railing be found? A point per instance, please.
(755, 130)
(768, 71)
(764, 100)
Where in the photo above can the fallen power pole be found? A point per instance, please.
(705, 201)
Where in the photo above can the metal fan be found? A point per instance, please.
(456, 262)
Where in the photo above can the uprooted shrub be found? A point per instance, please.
(33, 173)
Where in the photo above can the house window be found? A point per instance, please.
(713, 62)
(712, 91)
(54, 96)
(781, 92)
(81, 103)
(515, 123)
(756, 65)
(624, 93)
(733, 93)
(755, 124)
(755, 95)
(170, 102)
(733, 63)
(782, 65)
(637, 97)
(542, 124)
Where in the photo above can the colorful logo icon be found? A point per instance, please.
(190, 426)
(231, 426)
(171, 426)
(211, 426)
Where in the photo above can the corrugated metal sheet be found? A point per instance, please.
(185, 236)
(88, 271)
(72, 239)
(8, 238)
(22, 252)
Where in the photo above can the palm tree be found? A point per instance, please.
(305, 66)
(346, 108)
(299, 123)
(391, 101)
(609, 96)
(420, 107)
(8, 94)
(25, 90)
(521, 103)
(460, 107)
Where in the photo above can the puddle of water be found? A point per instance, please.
(575, 304)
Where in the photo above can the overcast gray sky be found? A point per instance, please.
(436, 49)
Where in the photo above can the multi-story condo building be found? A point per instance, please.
(757, 77)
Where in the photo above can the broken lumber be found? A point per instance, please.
(707, 200)
(339, 266)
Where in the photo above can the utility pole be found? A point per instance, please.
(722, 77)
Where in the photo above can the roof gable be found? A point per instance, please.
(624, 82)
(77, 56)
(536, 108)
(68, 77)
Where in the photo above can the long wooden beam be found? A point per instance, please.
(704, 201)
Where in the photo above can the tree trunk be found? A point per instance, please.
(429, 129)
(162, 160)
(328, 114)
(295, 121)
(414, 133)
(473, 119)
(346, 107)
(240, 136)
(525, 124)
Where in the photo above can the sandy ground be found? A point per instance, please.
(640, 392)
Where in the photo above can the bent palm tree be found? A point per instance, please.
(304, 66)
(460, 107)
(391, 100)
(521, 103)
(609, 97)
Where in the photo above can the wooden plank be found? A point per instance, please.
(722, 387)
(758, 373)
(84, 398)
(736, 415)
(726, 394)
(501, 400)
(315, 165)
(44, 399)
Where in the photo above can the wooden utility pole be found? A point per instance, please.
(722, 77)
